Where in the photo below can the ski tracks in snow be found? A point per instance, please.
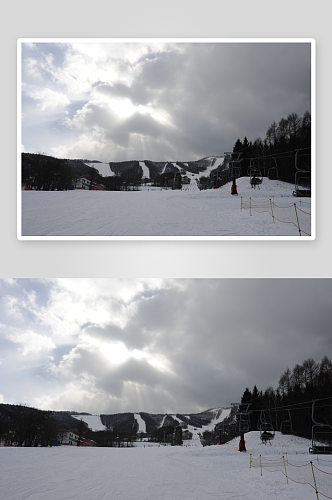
(145, 213)
(150, 473)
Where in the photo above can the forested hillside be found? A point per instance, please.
(293, 398)
(28, 426)
(277, 150)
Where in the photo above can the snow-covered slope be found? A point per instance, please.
(280, 445)
(215, 162)
(195, 423)
(103, 169)
(157, 472)
(213, 416)
(212, 162)
(155, 212)
(93, 421)
(219, 415)
(146, 171)
(141, 423)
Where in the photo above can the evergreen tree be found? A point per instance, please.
(238, 146)
(247, 396)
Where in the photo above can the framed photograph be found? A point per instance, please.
(157, 139)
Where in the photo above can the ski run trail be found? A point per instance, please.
(180, 214)
(155, 472)
(94, 421)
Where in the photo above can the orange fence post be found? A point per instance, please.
(285, 468)
(312, 468)
(272, 211)
(298, 223)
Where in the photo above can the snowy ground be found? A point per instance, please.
(151, 212)
(153, 472)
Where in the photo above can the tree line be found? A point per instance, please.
(169, 434)
(46, 173)
(293, 398)
(277, 149)
(25, 426)
(22, 425)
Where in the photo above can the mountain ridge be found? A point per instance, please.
(44, 172)
(149, 422)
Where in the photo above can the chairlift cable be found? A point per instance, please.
(283, 152)
(288, 406)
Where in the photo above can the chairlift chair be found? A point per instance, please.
(266, 429)
(267, 432)
(325, 431)
(225, 429)
(319, 434)
(235, 171)
(304, 175)
(251, 167)
(256, 177)
(286, 426)
(232, 429)
(261, 420)
(301, 176)
(272, 173)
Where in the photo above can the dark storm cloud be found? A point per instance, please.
(188, 100)
(241, 87)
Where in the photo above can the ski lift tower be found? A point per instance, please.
(235, 169)
(243, 422)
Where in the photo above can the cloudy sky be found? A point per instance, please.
(155, 345)
(156, 99)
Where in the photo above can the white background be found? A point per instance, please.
(160, 18)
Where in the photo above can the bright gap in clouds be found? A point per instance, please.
(117, 353)
(123, 107)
